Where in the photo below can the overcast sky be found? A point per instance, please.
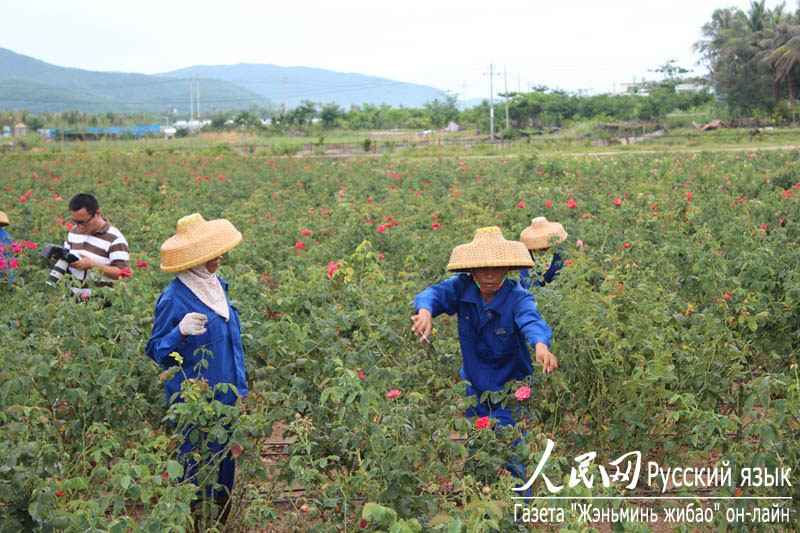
(568, 44)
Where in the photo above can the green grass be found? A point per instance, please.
(565, 141)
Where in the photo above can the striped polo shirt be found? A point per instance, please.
(106, 246)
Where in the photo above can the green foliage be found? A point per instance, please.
(509, 133)
(675, 323)
(218, 121)
(753, 58)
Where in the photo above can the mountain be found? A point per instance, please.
(292, 85)
(28, 83)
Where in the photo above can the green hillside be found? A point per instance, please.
(292, 85)
(27, 83)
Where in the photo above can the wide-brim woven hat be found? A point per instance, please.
(4, 219)
(197, 241)
(541, 234)
(489, 249)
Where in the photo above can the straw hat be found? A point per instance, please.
(197, 241)
(541, 234)
(489, 249)
(4, 219)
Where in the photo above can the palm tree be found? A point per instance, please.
(748, 52)
(785, 59)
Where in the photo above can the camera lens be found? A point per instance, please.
(58, 271)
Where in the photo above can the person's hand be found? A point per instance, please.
(422, 323)
(545, 358)
(193, 324)
(84, 263)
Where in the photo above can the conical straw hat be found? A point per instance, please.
(489, 249)
(541, 234)
(4, 219)
(197, 241)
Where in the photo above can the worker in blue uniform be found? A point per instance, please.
(194, 318)
(539, 237)
(497, 319)
(6, 254)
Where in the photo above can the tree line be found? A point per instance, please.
(753, 59)
(538, 109)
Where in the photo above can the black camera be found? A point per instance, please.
(63, 258)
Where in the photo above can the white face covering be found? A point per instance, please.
(207, 288)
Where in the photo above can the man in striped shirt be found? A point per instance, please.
(102, 248)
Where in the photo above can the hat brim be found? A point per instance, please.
(469, 265)
(489, 249)
(183, 252)
(544, 236)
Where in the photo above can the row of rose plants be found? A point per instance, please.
(675, 321)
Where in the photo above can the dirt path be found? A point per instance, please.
(570, 154)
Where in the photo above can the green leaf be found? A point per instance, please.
(174, 469)
(455, 526)
(440, 519)
(763, 396)
(368, 512)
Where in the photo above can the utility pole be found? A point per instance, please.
(285, 90)
(198, 99)
(505, 81)
(191, 100)
(491, 100)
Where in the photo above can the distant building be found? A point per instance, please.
(6, 131)
(641, 88)
(169, 132)
(190, 125)
(20, 130)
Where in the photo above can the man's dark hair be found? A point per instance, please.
(84, 201)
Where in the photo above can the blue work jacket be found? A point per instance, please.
(222, 339)
(7, 254)
(555, 267)
(493, 346)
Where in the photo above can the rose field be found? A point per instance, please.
(676, 323)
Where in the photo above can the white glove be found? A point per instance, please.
(193, 324)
